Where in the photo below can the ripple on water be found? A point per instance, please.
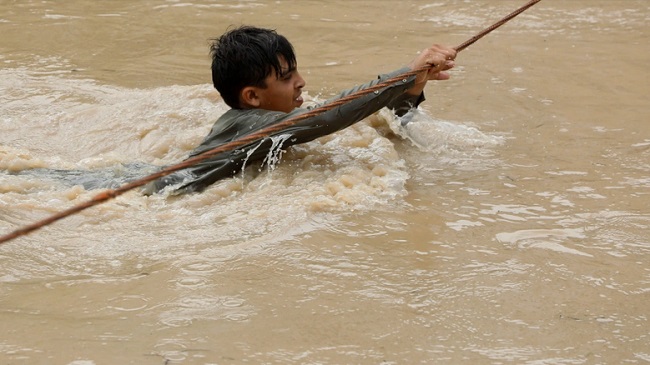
(192, 282)
(175, 321)
(620, 233)
(171, 350)
(184, 311)
(199, 266)
(548, 239)
(128, 303)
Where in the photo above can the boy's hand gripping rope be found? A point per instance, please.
(253, 137)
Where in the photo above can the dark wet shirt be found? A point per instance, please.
(237, 123)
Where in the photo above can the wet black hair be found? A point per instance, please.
(245, 56)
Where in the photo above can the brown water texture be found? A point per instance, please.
(508, 223)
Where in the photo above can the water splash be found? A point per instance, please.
(274, 156)
(248, 155)
(432, 135)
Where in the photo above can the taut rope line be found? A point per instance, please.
(253, 137)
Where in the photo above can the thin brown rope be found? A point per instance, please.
(246, 140)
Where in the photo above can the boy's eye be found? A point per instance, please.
(285, 76)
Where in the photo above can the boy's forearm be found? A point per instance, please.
(417, 89)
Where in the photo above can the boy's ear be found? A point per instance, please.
(249, 97)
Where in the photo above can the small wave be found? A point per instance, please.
(431, 134)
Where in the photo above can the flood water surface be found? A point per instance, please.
(507, 223)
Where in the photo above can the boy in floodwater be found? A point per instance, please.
(255, 71)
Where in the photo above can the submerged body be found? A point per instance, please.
(255, 71)
(237, 123)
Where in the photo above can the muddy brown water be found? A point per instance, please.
(507, 224)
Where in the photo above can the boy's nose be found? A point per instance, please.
(300, 82)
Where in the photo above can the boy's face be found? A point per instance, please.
(282, 92)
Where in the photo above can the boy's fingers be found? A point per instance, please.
(442, 76)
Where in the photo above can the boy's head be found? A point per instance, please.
(256, 68)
